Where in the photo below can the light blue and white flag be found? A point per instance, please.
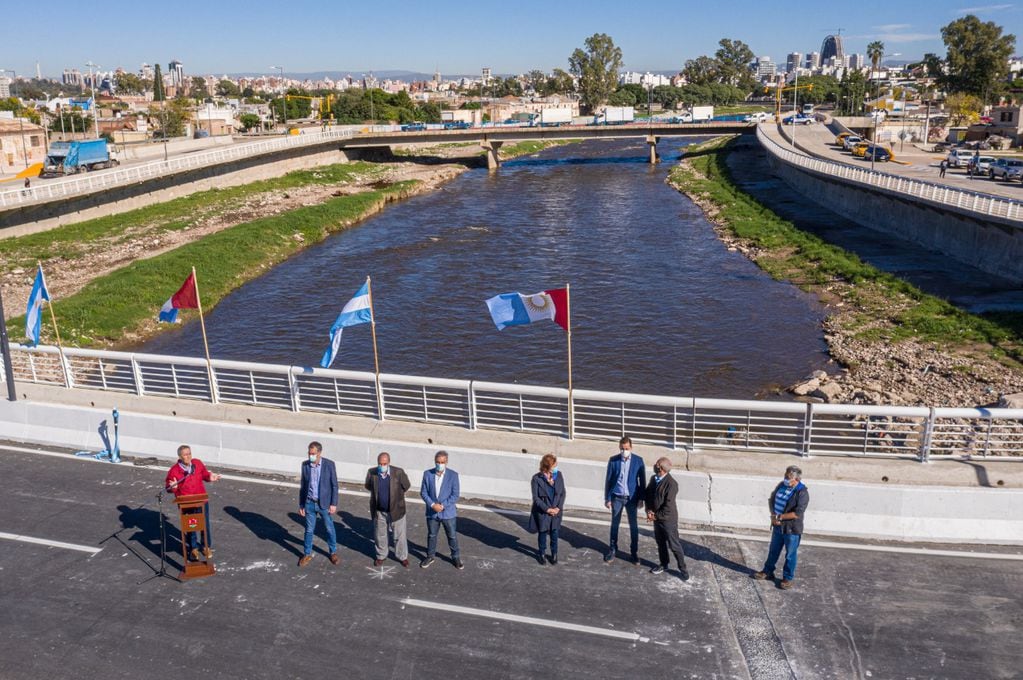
(355, 312)
(34, 312)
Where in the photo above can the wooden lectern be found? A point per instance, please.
(193, 518)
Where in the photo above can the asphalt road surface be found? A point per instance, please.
(88, 605)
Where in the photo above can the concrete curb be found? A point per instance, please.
(877, 511)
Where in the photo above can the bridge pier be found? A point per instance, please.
(493, 153)
(651, 142)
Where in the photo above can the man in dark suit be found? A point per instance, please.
(387, 485)
(317, 495)
(787, 505)
(661, 510)
(439, 491)
(623, 488)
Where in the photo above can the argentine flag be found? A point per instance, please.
(357, 311)
(515, 309)
(34, 312)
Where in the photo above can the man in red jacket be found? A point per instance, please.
(185, 478)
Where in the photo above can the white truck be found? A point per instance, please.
(703, 113)
(615, 115)
(552, 117)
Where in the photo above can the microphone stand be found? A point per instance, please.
(163, 545)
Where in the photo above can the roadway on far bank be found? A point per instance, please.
(70, 613)
(819, 140)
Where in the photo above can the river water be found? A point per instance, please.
(659, 305)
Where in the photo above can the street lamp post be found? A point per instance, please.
(795, 109)
(873, 114)
(92, 84)
(284, 98)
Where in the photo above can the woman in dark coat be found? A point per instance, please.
(548, 503)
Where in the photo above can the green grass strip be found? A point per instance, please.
(123, 304)
(812, 263)
(71, 241)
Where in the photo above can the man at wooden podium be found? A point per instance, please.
(185, 478)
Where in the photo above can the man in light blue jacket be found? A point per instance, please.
(440, 493)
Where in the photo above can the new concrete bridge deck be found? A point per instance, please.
(79, 597)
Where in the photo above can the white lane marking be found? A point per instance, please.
(932, 552)
(546, 623)
(53, 544)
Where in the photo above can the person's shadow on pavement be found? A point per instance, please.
(146, 522)
(266, 529)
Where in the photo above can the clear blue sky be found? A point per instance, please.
(510, 36)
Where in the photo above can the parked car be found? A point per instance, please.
(456, 125)
(979, 165)
(877, 153)
(413, 127)
(799, 119)
(758, 117)
(958, 158)
(860, 148)
(1006, 168)
(841, 137)
(849, 142)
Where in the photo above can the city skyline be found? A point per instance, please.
(447, 38)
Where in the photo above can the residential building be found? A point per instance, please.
(813, 61)
(1008, 122)
(857, 61)
(22, 144)
(5, 87)
(73, 77)
(766, 69)
(176, 70)
(146, 71)
(793, 62)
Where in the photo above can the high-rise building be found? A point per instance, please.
(857, 61)
(813, 60)
(486, 74)
(5, 86)
(73, 77)
(146, 71)
(832, 47)
(793, 62)
(177, 73)
(766, 68)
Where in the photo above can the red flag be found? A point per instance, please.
(560, 298)
(187, 297)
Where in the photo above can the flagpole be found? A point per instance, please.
(376, 356)
(568, 318)
(53, 319)
(205, 343)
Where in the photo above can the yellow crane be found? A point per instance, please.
(777, 97)
(326, 104)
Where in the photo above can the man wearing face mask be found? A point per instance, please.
(662, 511)
(624, 485)
(787, 505)
(440, 493)
(387, 485)
(317, 495)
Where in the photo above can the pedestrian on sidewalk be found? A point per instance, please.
(787, 506)
(624, 485)
(663, 512)
(387, 485)
(318, 496)
(439, 492)
(548, 487)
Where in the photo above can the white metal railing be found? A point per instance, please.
(918, 433)
(62, 188)
(940, 194)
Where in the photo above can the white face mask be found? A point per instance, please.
(626, 453)
(439, 467)
(312, 458)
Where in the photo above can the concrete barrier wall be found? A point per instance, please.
(43, 217)
(988, 244)
(914, 513)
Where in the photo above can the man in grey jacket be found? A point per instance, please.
(387, 485)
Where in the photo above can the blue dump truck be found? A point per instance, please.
(68, 158)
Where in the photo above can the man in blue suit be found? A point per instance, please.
(440, 493)
(624, 487)
(317, 495)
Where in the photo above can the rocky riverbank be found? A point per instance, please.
(877, 359)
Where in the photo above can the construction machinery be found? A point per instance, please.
(326, 104)
(778, 91)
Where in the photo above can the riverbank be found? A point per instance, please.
(893, 343)
(102, 273)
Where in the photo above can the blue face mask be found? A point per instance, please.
(382, 469)
(554, 470)
(440, 467)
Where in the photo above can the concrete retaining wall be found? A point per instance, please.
(917, 513)
(35, 218)
(989, 244)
